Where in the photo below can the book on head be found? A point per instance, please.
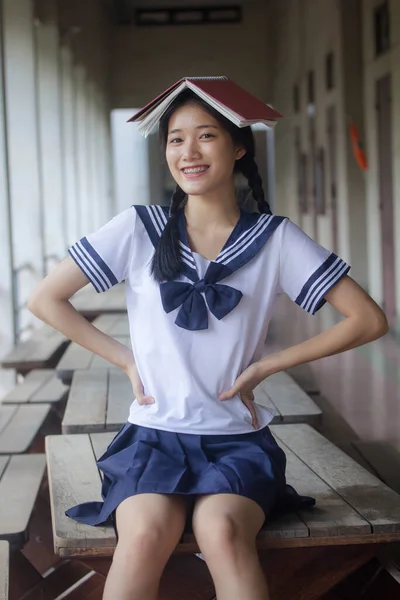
(225, 96)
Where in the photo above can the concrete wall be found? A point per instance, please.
(301, 36)
(374, 69)
(148, 59)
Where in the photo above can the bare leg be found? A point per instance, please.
(226, 526)
(149, 527)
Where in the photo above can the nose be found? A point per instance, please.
(191, 150)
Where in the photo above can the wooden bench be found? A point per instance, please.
(20, 426)
(77, 358)
(288, 400)
(39, 386)
(316, 548)
(41, 350)
(4, 569)
(20, 479)
(99, 400)
(113, 324)
(91, 304)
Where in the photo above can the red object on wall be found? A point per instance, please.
(358, 149)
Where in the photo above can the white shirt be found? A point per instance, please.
(186, 366)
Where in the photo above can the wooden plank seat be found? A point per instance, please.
(77, 358)
(354, 516)
(4, 569)
(353, 506)
(288, 400)
(99, 400)
(41, 350)
(92, 304)
(39, 386)
(20, 426)
(20, 479)
(113, 324)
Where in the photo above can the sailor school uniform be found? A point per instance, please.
(191, 338)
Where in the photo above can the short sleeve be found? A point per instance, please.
(307, 270)
(104, 255)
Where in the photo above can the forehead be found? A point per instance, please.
(190, 115)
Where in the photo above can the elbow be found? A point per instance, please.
(37, 302)
(378, 325)
(33, 304)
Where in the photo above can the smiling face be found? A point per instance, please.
(200, 152)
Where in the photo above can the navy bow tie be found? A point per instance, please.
(221, 299)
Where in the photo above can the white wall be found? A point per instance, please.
(146, 60)
(55, 161)
(23, 148)
(130, 161)
(6, 292)
(50, 140)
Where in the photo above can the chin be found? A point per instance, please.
(195, 190)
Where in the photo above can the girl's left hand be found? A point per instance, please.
(244, 386)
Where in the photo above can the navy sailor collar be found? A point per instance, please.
(250, 234)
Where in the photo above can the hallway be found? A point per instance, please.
(359, 390)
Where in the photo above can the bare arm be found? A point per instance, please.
(50, 303)
(364, 322)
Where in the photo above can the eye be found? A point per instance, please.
(207, 135)
(175, 140)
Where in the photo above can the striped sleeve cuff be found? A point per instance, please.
(92, 265)
(311, 297)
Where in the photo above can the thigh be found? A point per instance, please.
(161, 515)
(226, 515)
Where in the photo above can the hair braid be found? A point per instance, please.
(166, 263)
(248, 166)
(177, 201)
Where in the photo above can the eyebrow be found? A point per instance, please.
(199, 127)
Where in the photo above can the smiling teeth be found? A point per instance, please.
(196, 170)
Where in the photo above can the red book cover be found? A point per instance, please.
(237, 99)
(228, 93)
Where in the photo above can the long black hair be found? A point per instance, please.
(166, 264)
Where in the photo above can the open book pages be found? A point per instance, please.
(148, 118)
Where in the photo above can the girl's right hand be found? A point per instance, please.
(137, 385)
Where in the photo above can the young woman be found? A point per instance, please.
(201, 281)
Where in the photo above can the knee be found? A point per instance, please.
(143, 544)
(222, 537)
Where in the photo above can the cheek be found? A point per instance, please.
(171, 161)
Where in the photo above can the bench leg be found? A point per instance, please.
(309, 573)
(185, 577)
(23, 575)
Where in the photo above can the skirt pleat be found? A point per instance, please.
(141, 460)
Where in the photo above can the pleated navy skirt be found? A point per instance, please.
(143, 460)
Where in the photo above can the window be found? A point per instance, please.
(296, 98)
(320, 198)
(303, 182)
(310, 88)
(301, 167)
(330, 71)
(382, 29)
